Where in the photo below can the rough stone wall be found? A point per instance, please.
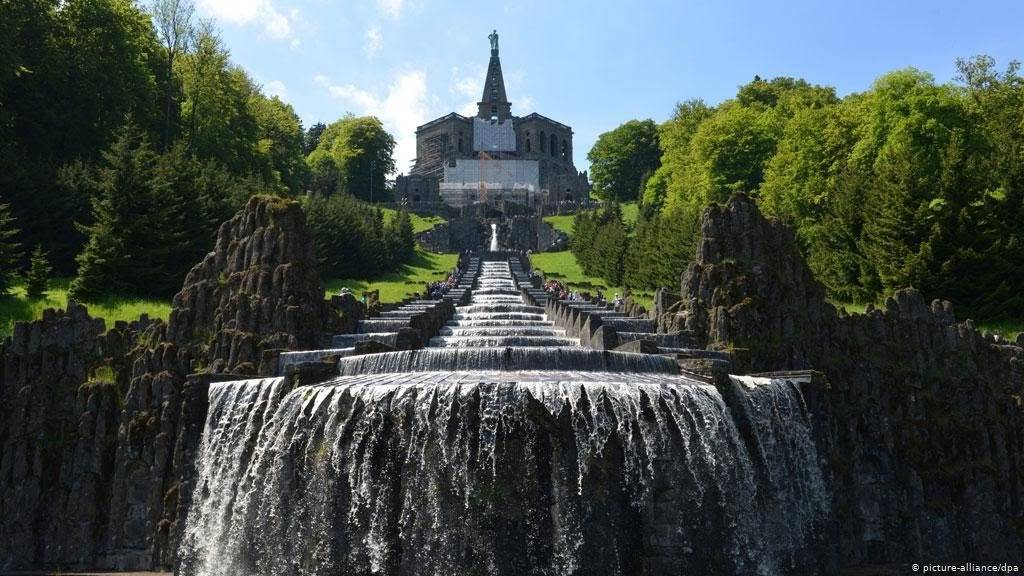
(258, 289)
(96, 474)
(921, 419)
(455, 235)
(256, 293)
(57, 438)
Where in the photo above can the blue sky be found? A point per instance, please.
(588, 64)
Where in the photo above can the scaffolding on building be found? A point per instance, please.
(437, 153)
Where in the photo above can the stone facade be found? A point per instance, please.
(449, 139)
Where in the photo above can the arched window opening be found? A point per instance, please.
(565, 150)
(529, 144)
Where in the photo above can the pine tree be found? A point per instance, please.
(38, 274)
(125, 250)
(10, 251)
(406, 238)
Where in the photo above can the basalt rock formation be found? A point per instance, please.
(98, 428)
(259, 289)
(60, 393)
(921, 418)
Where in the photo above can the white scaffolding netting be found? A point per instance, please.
(492, 136)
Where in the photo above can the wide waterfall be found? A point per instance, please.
(507, 458)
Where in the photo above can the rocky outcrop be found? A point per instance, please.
(258, 289)
(921, 419)
(455, 235)
(58, 433)
(257, 293)
(98, 428)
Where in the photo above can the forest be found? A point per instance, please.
(127, 135)
(909, 183)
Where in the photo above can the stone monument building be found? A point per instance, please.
(493, 157)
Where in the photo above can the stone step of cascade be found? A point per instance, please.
(630, 324)
(509, 307)
(661, 339)
(501, 341)
(696, 353)
(603, 313)
(371, 325)
(402, 313)
(501, 331)
(289, 358)
(349, 340)
(498, 316)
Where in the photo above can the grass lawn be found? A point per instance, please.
(419, 223)
(561, 223)
(394, 286)
(1007, 328)
(562, 266)
(630, 211)
(17, 306)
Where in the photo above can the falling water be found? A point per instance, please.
(510, 459)
(494, 237)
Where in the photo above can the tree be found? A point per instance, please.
(108, 52)
(10, 251)
(359, 153)
(173, 21)
(599, 242)
(311, 139)
(71, 71)
(217, 116)
(352, 239)
(674, 138)
(126, 252)
(403, 235)
(280, 142)
(38, 274)
(623, 159)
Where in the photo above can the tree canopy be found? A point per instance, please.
(623, 159)
(353, 156)
(908, 183)
(127, 135)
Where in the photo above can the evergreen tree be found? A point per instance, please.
(38, 274)
(10, 251)
(125, 253)
(406, 239)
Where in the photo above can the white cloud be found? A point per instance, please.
(466, 90)
(245, 12)
(374, 41)
(401, 110)
(392, 8)
(276, 88)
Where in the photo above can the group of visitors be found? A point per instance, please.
(437, 290)
(560, 291)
